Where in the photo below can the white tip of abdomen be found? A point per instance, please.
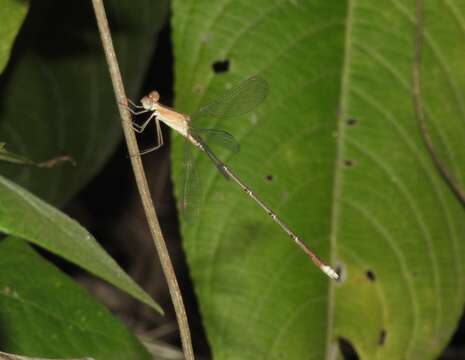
(328, 270)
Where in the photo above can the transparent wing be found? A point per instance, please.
(215, 137)
(241, 99)
(217, 162)
(192, 193)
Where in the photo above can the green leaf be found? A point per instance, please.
(25, 215)
(57, 97)
(12, 14)
(336, 151)
(45, 314)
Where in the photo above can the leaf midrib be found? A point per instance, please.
(340, 131)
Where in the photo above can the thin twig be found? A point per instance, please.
(141, 179)
(418, 104)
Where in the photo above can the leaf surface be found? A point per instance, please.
(336, 151)
(45, 314)
(25, 215)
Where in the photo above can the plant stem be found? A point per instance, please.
(141, 179)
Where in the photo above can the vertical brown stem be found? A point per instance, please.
(141, 179)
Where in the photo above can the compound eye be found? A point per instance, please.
(154, 96)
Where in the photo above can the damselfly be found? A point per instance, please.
(239, 100)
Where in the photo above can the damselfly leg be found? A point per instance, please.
(141, 127)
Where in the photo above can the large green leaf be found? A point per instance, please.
(27, 216)
(56, 96)
(45, 314)
(336, 150)
(12, 13)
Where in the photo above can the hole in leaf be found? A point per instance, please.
(382, 337)
(269, 177)
(348, 163)
(220, 66)
(347, 350)
(351, 121)
(370, 275)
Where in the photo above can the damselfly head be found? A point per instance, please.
(150, 101)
